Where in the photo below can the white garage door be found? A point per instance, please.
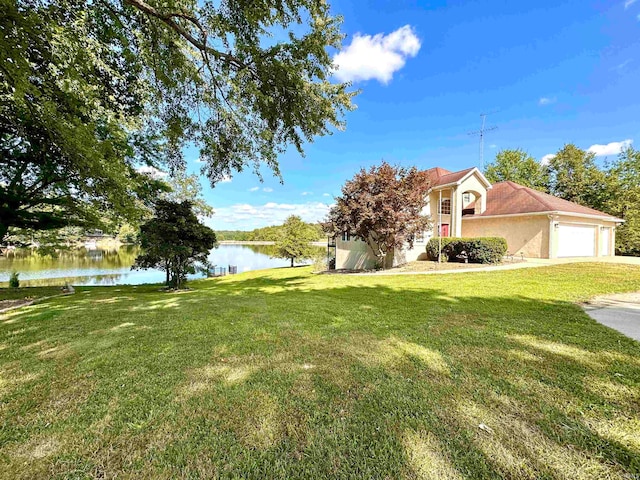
(576, 241)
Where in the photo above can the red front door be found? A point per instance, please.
(445, 230)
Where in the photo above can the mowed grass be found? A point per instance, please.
(286, 374)
(27, 293)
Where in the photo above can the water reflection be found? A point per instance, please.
(113, 267)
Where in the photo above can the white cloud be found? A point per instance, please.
(245, 216)
(621, 67)
(254, 189)
(547, 158)
(267, 189)
(546, 100)
(326, 194)
(152, 172)
(307, 193)
(628, 3)
(226, 179)
(199, 160)
(612, 148)
(376, 56)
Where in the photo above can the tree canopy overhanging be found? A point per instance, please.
(90, 90)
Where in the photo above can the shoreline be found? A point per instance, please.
(261, 242)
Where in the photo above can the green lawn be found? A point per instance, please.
(28, 293)
(285, 374)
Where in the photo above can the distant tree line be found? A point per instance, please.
(266, 234)
(573, 174)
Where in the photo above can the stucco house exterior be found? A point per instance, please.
(465, 204)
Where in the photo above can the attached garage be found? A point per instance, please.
(576, 240)
(538, 225)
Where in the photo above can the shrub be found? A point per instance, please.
(487, 250)
(14, 281)
(477, 250)
(320, 262)
(434, 243)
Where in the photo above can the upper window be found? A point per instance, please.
(445, 206)
(349, 237)
(466, 198)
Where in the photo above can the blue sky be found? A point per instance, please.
(553, 72)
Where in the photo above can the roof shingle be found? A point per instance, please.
(440, 176)
(510, 198)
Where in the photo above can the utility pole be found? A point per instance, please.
(481, 133)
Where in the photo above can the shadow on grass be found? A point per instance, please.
(298, 378)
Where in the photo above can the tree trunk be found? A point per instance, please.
(292, 261)
(4, 229)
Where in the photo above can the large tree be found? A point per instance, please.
(175, 241)
(382, 206)
(70, 121)
(519, 167)
(623, 183)
(294, 240)
(89, 90)
(574, 176)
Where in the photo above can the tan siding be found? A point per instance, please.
(526, 235)
(354, 255)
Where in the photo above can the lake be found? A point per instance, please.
(113, 267)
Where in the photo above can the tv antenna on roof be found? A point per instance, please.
(483, 130)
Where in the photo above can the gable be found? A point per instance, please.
(441, 178)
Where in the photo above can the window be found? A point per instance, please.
(445, 206)
(349, 237)
(466, 198)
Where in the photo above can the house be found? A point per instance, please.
(465, 204)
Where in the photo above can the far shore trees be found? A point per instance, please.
(266, 234)
(383, 207)
(294, 241)
(175, 241)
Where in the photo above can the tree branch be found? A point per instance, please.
(169, 20)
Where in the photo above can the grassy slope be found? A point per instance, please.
(27, 293)
(281, 374)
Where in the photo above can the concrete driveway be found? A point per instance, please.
(620, 312)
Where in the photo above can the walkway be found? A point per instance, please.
(620, 312)
(528, 263)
